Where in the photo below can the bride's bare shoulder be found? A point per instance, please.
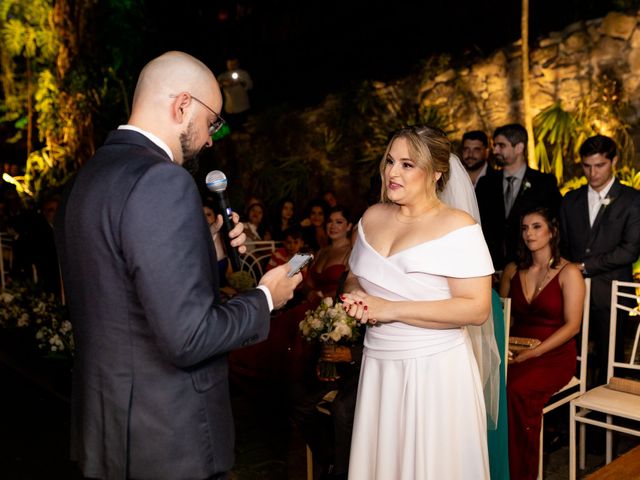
(453, 219)
(380, 212)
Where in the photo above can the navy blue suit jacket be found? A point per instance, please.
(150, 393)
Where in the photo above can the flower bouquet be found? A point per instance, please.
(329, 324)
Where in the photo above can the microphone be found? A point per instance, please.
(217, 183)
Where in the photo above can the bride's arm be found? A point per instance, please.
(469, 304)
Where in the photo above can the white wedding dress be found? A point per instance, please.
(420, 410)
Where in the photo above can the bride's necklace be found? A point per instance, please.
(414, 218)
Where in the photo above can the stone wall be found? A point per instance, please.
(565, 66)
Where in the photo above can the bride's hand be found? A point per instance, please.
(363, 307)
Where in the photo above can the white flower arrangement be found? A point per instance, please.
(329, 324)
(25, 308)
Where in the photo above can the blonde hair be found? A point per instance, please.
(429, 148)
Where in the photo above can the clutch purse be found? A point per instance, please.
(522, 343)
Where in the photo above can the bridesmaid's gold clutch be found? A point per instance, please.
(522, 343)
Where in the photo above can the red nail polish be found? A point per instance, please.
(366, 308)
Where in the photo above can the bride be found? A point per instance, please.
(420, 274)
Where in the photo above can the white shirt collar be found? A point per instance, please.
(605, 191)
(151, 137)
(519, 174)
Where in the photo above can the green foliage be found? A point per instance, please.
(559, 134)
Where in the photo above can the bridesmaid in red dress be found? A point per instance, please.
(285, 354)
(547, 294)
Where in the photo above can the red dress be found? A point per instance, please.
(285, 354)
(530, 384)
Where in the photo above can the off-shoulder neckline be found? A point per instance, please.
(361, 233)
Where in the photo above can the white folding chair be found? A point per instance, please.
(257, 256)
(608, 399)
(578, 383)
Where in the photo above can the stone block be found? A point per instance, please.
(576, 42)
(635, 39)
(544, 55)
(606, 50)
(619, 25)
(445, 76)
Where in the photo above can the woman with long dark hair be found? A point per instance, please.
(547, 294)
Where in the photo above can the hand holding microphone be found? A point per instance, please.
(217, 183)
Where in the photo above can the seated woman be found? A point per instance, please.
(255, 227)
(547, 294)
(313, 226)
(285, 354)
(283, 219)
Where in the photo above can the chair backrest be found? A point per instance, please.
(617, 306)
(257, 257)
(506, 313)
(583, 350)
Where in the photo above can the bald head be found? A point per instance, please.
(159, 104)
(171, 73)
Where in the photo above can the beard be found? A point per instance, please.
(189, 154)
(475, 166)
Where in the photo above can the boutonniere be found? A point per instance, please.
(606, 201)
(526, 185)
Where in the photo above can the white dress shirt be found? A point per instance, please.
(597, 199)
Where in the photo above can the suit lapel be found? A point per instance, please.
(524, 185)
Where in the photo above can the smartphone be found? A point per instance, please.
(298, 262)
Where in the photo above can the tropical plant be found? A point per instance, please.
(44, 93)
(559, 133)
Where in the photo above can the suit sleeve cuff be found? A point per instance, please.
(268, 295)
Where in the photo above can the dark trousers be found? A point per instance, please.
(328, 436)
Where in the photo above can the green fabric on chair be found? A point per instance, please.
(498, 440)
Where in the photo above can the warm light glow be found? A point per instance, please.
(19, 185)
(9, 179)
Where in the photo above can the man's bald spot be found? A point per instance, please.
(171, 73)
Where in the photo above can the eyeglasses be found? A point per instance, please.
(217, 123)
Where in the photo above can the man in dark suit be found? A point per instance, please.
(600, 232)
(150, 395)
(503, 196)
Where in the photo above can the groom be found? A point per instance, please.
(150, 395)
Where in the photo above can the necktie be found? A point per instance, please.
(508, 195)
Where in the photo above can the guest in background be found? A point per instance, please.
(293, 243)
(600, 225)
(236, 84)
(329, 196)
(503, 198)
(283, 218)
(547, 294)
(475, 155)
(255, 227)
(313, 226)
(285, 355)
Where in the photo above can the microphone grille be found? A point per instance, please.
(216, 181)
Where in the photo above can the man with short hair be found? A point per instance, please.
(600, 232)
(150, 397)
(502, 198)
(475, 153)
